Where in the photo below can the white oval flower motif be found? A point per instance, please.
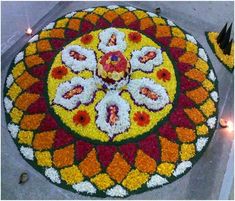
(170, 23)
(85, 187)
(69, 15)
(105, 37)
(148, 66)
(8, 104)
(112, 98)
(152, 14)
(135, 87)
(49, 26)
(130, 8)
(201, 142)
(156, 180)
(33, 39)
(53, 175)
(112, 7)
(69, 98)
(191, 39)
(211, 75)
(180, 169)
(19, 57)
(117, 191)
(88, 61)
(27, 152)
(89, 9)
(214, 96)
(211, 122)
(202, 54)
(13, 129)
(9, 81)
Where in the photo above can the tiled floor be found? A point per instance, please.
(205, 179)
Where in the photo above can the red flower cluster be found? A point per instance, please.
(59, 72)
(86, 39)
(134, 37)
(142, 118)
(164, 75)
(82, 117)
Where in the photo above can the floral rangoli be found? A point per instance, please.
(111, 101)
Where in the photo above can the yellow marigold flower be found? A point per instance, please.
(187, 151)
(166, 169)
(202, 130)
(16, 115)
(159, 21)
(62, 23)
(43, 158)
(135, 179)
(25, 137)
(177, 32)
(31, 49)
(102, 181)
(191, 47)
(140, 14)
(71, 175)
(208, 85)
(202, 65)
(18, 69)
(208, 108)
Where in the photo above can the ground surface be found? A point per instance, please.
(207, 178)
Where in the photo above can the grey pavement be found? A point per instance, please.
(204, 181)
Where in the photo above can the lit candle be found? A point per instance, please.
(29, 31)
(226, 124)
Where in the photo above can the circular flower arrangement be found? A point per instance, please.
(111, 101)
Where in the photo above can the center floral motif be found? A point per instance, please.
(112, 70)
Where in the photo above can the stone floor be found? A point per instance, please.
(207, 178)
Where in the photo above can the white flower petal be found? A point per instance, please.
(89, 9)
(152, 14)
(8, 104)
(191, 39)
(53, 175)
(69, 15)
(211, 122)
(105, 36)
(27, 152)
(135, 86)
(202, 54)
(130, 8)
(123, 122)
(150, 64)
(156, 180)
(49, 26)
(75, 65)
(170, 23)
(85, 187)
(201, 142)
(112, 7)
(180, 169)
(85, 97)
(117, 191)
(9, 81)
(19, 57)
(211, 75)
(13, 129)
(214, 96)
(33, 39)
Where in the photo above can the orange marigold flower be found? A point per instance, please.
(86, 39)
(82, 117)
(134, 37)
(59, 72)
(164, 75)
(142, 118)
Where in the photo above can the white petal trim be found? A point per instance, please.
(149, 65)
(53, 175)
(170, 23)
(152, 14)
(27, 152)
(201, 142)
(180, 169)
(8, 104)
(130, 8)
(33, 39)
(134, 87)
(84, 187)
(89, 9)
(117, 191)
(112, 7)
(211, 122)
(13, 129)
(211, 75)
(69, 15)
(202, 54)
(9, 81)
(156, 180)
(214, 96)
(191, 39)
(123, 123)
(77, 66)
(105, 36)
(49, 26)
(19, 57)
